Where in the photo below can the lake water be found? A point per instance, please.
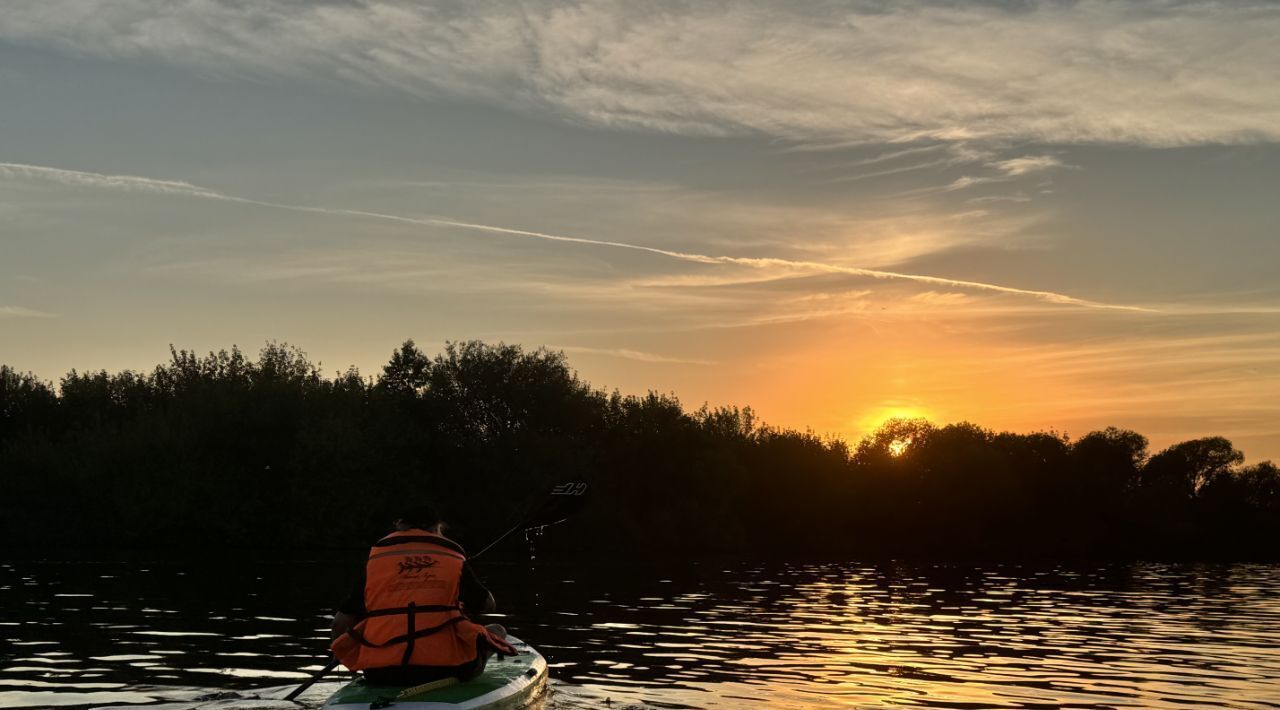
(715, 635)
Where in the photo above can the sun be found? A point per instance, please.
(881, 416)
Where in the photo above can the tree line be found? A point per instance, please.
(225, 451)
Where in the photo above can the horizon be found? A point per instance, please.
(1039, 217)
(874, 426)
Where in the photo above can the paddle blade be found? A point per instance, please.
(566, 499)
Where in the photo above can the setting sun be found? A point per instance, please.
(882, 415)
(899, 419)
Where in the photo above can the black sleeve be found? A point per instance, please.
(354, 603)
(473, 593)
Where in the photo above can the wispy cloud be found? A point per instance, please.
(899, 154)
(777, 267)
(942, 299)
(1014, 167)
(998, 198)
(967, 181)
(892, 171)
(1008, 169)
(1158, 73)
(571, 184)
(627, 354)
(20, 312)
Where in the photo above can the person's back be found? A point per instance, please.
(406, 621)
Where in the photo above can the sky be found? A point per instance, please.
(1027, 215)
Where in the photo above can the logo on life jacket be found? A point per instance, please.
(416, 564)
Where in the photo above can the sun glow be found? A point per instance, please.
(878, 418)
(886, 415)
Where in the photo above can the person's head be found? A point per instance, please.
(420, 517)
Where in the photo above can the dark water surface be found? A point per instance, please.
(708, 635)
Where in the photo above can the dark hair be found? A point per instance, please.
(421, 516)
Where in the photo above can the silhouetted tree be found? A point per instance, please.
(1181, 470)
(894, 439)
(223, 449)
(25, 402)
(1095, 497)
(1108, 461)
(407, 372)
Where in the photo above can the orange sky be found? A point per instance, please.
(833, 214)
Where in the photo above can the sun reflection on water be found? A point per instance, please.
(708, 636)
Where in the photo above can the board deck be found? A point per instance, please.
(506, 684)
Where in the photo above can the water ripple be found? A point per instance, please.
(706, 636)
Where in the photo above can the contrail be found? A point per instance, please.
(20, 312)
(77, 178)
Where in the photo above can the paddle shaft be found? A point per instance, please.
(312, 680)
(565, 499)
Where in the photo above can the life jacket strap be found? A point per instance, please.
(407, 637)
(425, 609)
(408, 645)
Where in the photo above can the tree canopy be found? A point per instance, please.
(224, 450)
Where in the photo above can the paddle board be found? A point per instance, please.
(506, 683)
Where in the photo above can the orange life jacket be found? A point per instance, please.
(412, 582)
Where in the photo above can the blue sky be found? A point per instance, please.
(1027, 215)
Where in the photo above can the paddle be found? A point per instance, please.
(312, 680)
(564, 500)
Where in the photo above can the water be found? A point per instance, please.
(703, 635)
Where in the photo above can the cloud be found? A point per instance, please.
(967, 181)
(1157, 73)
(876, 159)
(892, 171)
(20, 312)
(998, 198)
(630, 355)
(936, 298)
(775, 267)
(1014, 167)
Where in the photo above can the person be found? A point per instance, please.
(406, 621)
